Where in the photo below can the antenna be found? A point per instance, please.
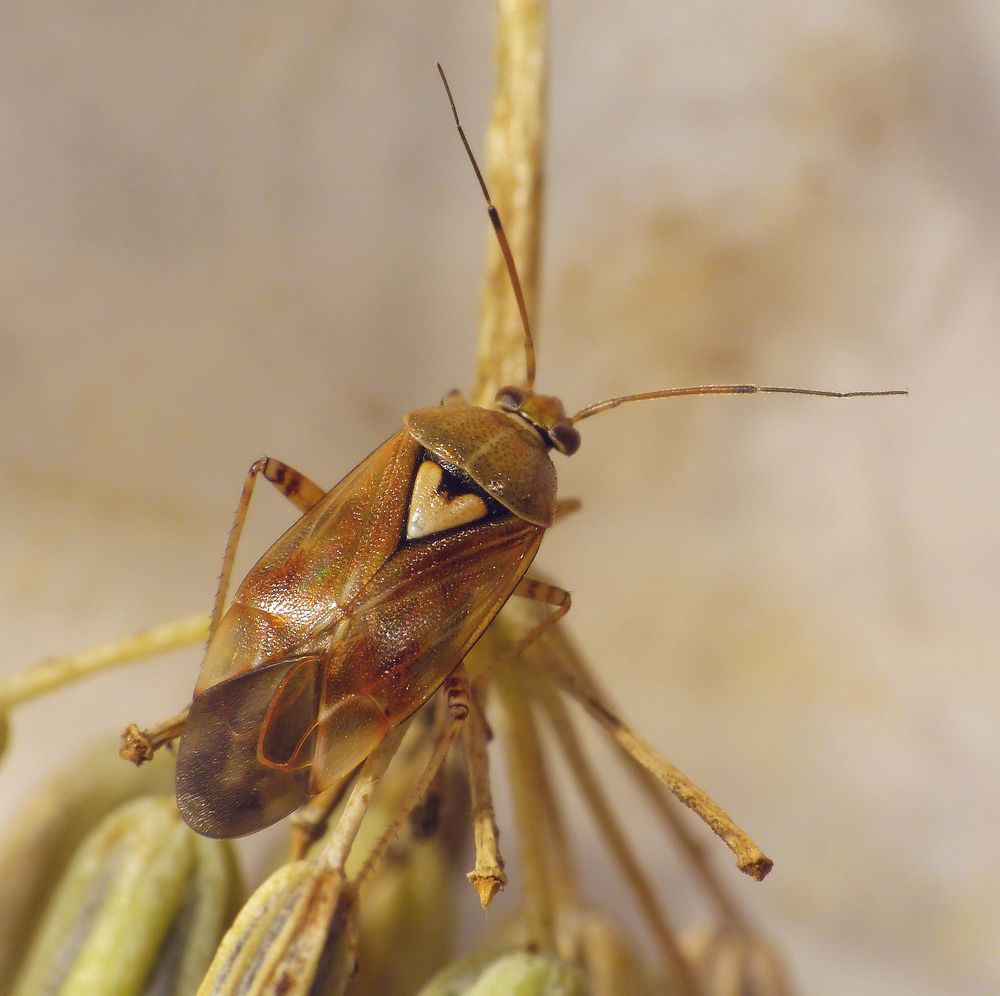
(677, 392)
(529, 343)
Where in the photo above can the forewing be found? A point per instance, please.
(300, 585)
(341, 630)
(242, 761)
(420, 616)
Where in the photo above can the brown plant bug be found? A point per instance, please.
(372, 599)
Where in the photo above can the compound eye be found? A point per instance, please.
(510, 399)
(564, 437)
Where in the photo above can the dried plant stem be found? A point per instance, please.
(698, 862)
(338, 848)
(308, 823)
(749, 857)
(656, 792)
(487, 877)
(514, 174)
(565, 883)
(531, 803)
(56, 672)
(456, 691)
(617, 842)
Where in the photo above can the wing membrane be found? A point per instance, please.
(236, 771)
(341, 631)
(424, 611)
(322, 562)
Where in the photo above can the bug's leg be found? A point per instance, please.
(337, 847)
(549, 594)
(139, 746)
(309, 823)
(537, 591)
(293, 484)
(296, 487)
(488, 876)
(457, 696)
(567, 506)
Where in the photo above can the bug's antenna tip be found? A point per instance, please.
(508, 257)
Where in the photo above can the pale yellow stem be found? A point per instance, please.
(530, 802)
(338, 848)
(656, 792)
(749, 857)
(694, 852)
(487, 877)
(514, 174)
(56, 672)
(617, 842)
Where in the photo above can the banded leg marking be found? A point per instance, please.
(549, 594)
(293, 484)
(296, 487)
(536, 591)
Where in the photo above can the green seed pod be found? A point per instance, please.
(143, 901)
(294, 936)
(48, 829)
(211, 901)
(516, 973)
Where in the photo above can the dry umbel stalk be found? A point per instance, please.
(532, 693)
(300, 926)
(488, 876)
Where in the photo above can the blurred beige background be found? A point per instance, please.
(244, 228)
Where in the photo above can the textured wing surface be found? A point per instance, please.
(342, 630)
(299, 587)
(242, 759)
(417, 619)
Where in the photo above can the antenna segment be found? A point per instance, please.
(677, 392)
(508, 257)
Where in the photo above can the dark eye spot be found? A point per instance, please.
(565, 438)
(510, 399)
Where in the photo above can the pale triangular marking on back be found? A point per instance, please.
(432, 512)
